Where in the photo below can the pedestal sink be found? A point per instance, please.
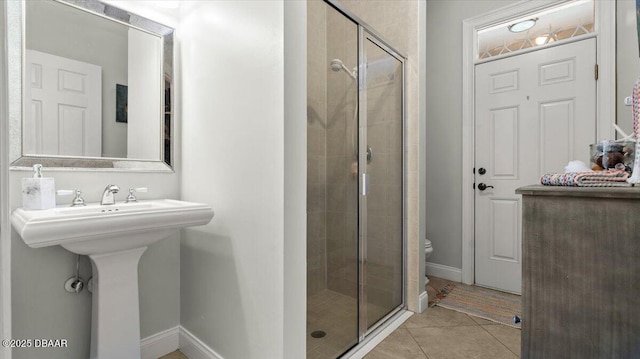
(114, 237)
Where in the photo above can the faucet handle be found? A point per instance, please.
(77, 201)
(131, 197)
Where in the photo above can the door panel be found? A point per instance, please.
(381, 159)
(332, 184)
(504, 144)
(534, 113)
(557, 139)
(63, 100)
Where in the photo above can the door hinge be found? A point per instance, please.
(474, 170)
(596, 72)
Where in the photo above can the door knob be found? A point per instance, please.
(482, 171)
(483, 186)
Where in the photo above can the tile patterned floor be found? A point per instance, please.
(440, 333)
(437, 333)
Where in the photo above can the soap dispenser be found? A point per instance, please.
(38, 192)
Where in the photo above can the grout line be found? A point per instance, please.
(500, 341)
(418, 344)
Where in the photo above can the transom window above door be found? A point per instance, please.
(559, 23)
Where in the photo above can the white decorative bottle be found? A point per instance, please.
(38, 192)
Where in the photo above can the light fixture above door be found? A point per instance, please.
(523, 25)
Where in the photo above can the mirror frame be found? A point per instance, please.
(16, 27)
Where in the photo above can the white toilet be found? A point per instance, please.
(428, 249)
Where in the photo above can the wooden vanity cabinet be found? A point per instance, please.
(581, 272)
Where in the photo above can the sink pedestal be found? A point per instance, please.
(114, 237)
(115, 317)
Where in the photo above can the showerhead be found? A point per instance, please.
(337, 65)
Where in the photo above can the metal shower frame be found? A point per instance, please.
(367, 33)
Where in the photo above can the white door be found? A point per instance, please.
(534, 113)
(63, 106)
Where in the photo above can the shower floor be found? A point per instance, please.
(336, 315)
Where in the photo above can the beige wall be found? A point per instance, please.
(342, 184)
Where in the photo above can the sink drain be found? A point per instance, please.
(318, 334)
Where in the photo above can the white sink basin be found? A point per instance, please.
(114, 237)
(100, 229)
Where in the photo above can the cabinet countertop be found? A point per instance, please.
(563, 191)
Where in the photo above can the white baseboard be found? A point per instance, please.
(423, 302)
(165, 342)
(444, 272)
(170, 340)
(194, 348)
(159, 344)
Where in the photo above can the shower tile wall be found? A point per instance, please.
(332, 175)
(316, 148)
(341, 145)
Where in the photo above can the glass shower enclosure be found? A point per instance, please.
(355, 182)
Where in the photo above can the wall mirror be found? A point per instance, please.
(90, 86)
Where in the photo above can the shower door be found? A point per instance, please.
(332, 182)
(381, 171)
(355, 208)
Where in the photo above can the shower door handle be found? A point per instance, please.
(369, 154)
(365, 184)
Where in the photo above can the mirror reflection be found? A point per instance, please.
(93, 86)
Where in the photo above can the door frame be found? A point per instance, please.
(605, 34)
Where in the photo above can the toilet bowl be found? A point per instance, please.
(428, 249)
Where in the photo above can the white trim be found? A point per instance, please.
(295, 180)
(444, 272)
(375, 338)
(469, 47)
(195, 348)
(172, 339)
(537, 48)
(605, 18)
(5, 226)
(423, 301)
(159, 344)
(422, 142)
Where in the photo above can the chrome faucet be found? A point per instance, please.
(108, 196)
